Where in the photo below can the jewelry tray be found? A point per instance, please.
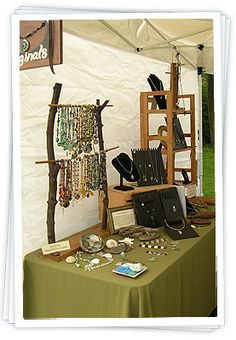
(124, 270)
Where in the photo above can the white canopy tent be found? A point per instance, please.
(105, 59)
(156, 38)
(162, 39)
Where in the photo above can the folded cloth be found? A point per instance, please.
(202, 214)
(200, 222)
(210, 200)
(202, 201)
(198, 201)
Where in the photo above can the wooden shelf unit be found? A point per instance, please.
(148, 97)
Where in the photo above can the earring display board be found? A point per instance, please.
(150, 166)
(179, 138)
(148, 209)
(174, 221)
(158, 208)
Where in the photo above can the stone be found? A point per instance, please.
(70, 259)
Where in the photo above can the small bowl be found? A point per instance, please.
(91, 243)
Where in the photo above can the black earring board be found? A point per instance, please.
(179, 138)
(174, 221)
(150, 166)
(148, 209)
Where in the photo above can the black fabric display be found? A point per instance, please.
(180, 142)
(150, 166)
(185, 176)
(174, 221)
(157, 85)
(162, 172)
(127, 170)
(148, 209)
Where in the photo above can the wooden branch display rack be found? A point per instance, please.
(55, 165)
(146, 109)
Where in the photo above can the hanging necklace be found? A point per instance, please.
(150, 213)
(144, 172)
(179, 230)
(130, 172)
(25, 44)
(152, 156)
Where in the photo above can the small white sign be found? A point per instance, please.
(54, 247)
(191, 190)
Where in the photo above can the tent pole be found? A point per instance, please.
(167, 40)
(199, 151)
(118, 33)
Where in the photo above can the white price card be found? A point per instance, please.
(54, 247)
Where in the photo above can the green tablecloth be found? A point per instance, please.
(179, 284)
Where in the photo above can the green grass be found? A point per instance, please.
(208, 171)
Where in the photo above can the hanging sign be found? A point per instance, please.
(40, 44)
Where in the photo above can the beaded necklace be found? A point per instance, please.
(25, 44)
(80, 261)
(64, 186)
(77, 129)
(77, 134)
(79, 178)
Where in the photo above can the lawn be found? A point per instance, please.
(208, 171)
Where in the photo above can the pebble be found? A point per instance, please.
(95, 261)
(70, 259)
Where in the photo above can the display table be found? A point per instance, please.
(179, 284)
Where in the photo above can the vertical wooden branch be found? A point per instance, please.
(53, 167)
(174, 84)
(103, 174)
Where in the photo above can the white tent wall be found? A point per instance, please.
(89, 71)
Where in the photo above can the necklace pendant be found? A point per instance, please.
(180, 232)
(131, 176)
(25, 45)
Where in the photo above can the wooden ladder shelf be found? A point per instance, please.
(145, 137)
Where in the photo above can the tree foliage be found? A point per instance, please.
(205, 120)
(207, 124)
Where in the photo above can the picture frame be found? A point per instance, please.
(119, 217)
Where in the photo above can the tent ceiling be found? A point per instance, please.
(161, 39)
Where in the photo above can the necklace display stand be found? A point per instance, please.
(169, 112)
(127, 170)
(123, 187)
(54, 164)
